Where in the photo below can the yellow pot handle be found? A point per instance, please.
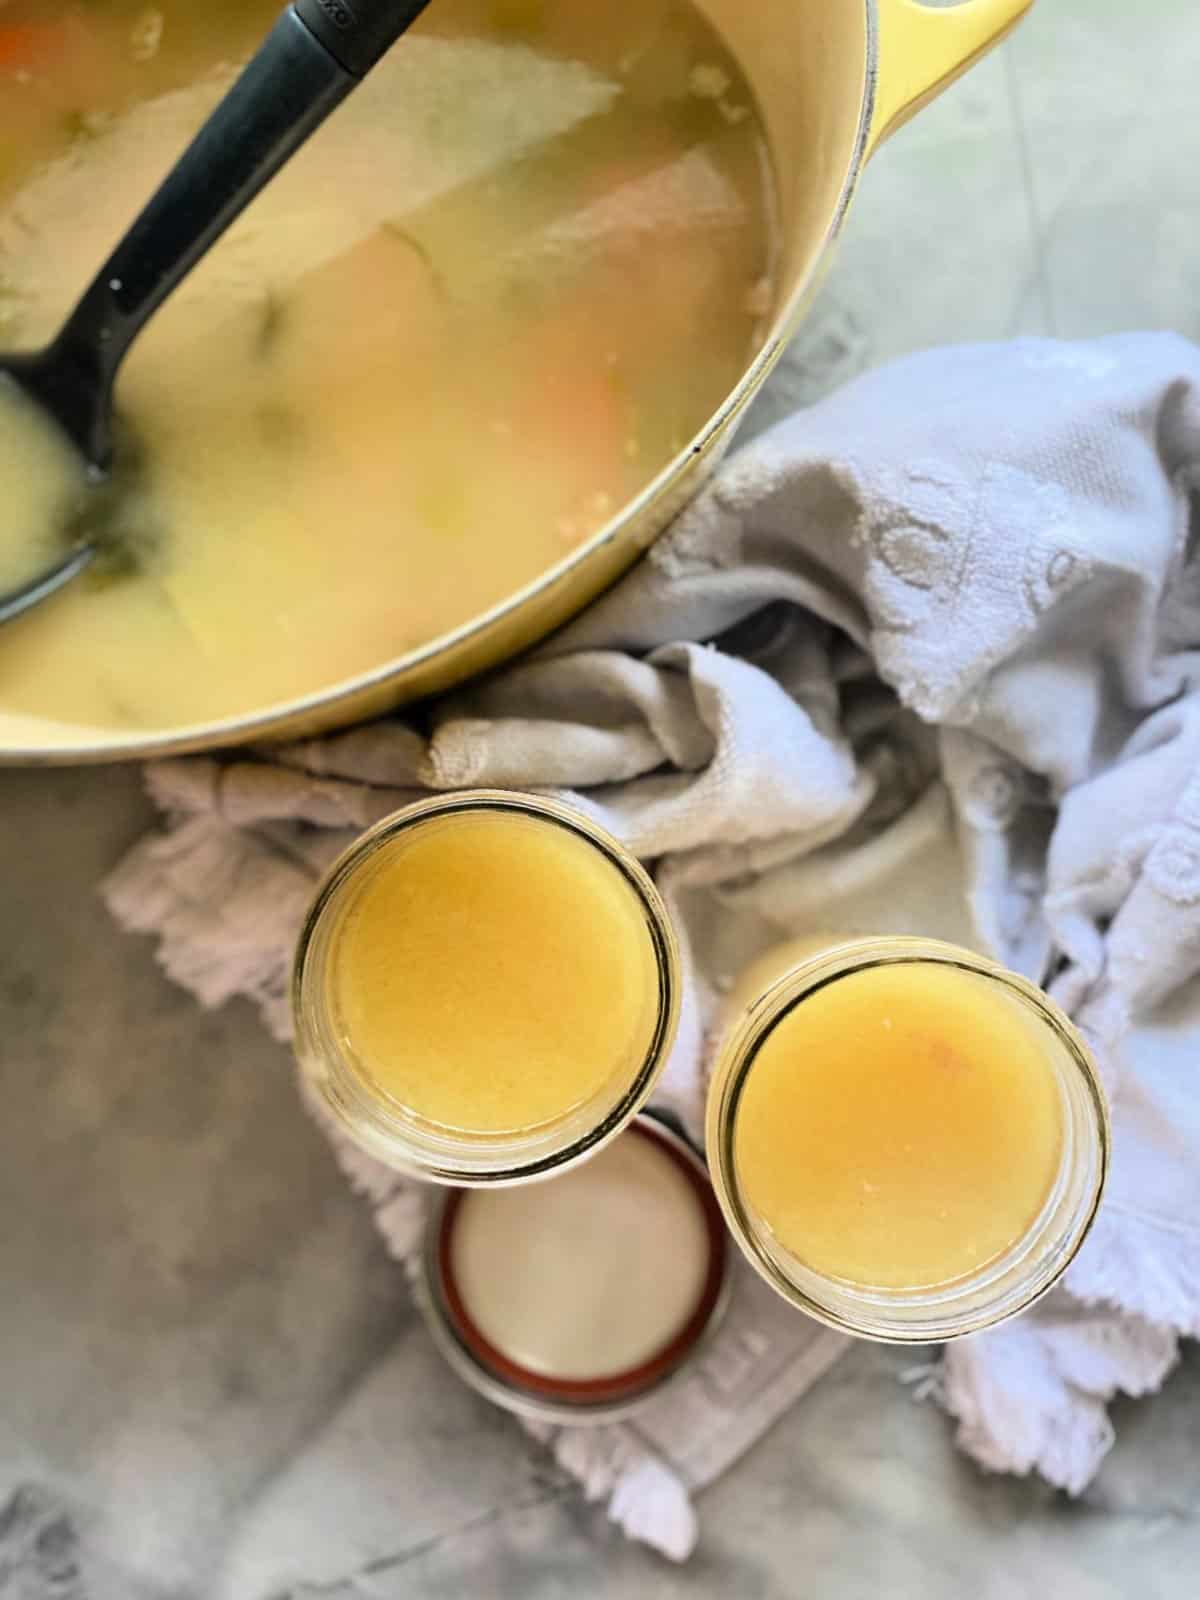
(924, 48)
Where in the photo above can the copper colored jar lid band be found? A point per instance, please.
(616, 1388)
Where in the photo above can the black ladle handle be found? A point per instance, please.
(357, 33)
(312, 58)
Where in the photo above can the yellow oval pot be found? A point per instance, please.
(834, 78)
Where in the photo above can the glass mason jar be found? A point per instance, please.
(998, 1287)
(377, 1119)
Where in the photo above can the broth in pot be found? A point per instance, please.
(505, 285)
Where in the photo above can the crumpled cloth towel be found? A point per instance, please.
(925, 657)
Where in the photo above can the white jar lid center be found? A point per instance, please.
(588, 1276)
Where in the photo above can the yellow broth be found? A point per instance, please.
(44, 481)
(509, 280)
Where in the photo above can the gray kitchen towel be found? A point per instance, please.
(925, 657)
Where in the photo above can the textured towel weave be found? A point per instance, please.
(923, 658)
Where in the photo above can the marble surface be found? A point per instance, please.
(212, 1382)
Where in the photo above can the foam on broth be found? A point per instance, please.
(511, 278)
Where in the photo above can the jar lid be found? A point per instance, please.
(577, 1298)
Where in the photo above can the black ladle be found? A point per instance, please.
(317, 52)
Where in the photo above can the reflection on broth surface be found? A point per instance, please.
(509, 280)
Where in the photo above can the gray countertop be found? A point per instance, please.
(212, 1382)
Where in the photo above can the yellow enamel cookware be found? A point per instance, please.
(834, 78)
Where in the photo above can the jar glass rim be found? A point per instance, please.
(881, 1314)
(476, 1159)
